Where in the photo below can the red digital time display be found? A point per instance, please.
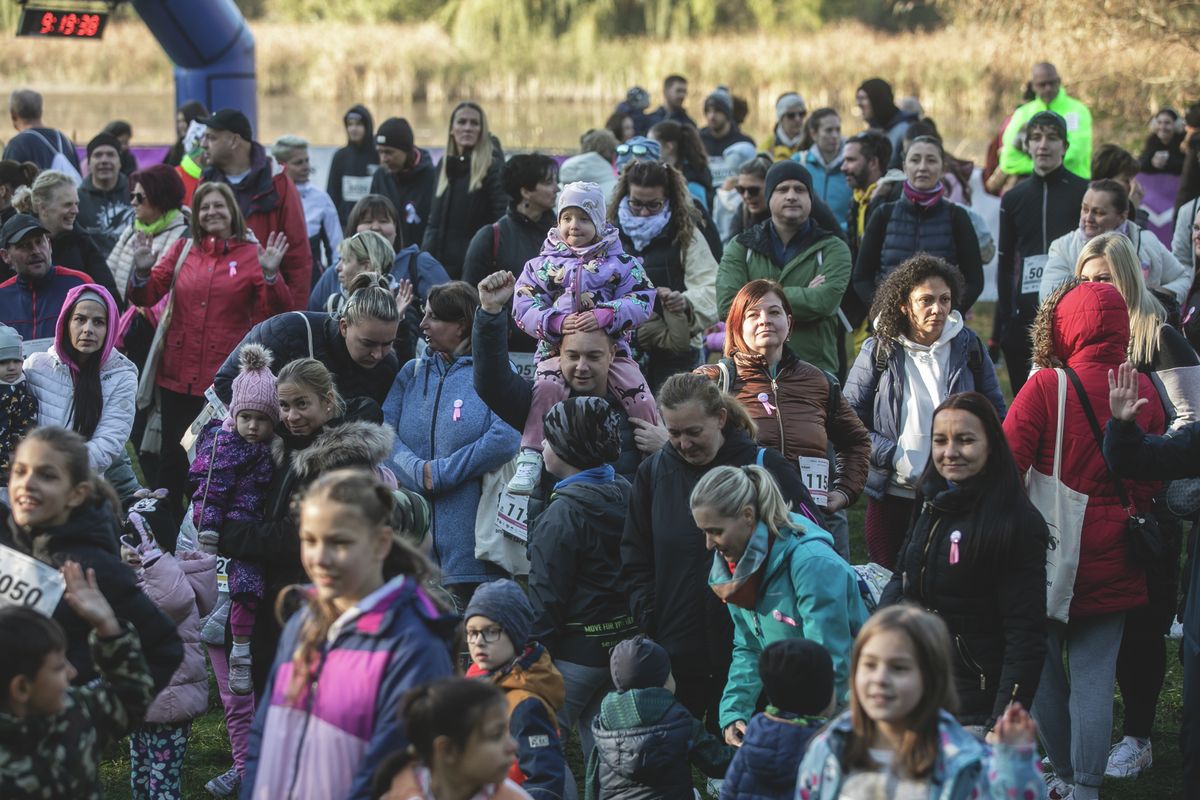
(62, 24)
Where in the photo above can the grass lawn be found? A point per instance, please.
(208, 749)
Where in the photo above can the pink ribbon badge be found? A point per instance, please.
(765, 399)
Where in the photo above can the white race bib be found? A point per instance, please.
(1032, 270)
(524, 364)
(511, 516)
(355, 187)
(31, 346)
(815, 473)
(1072, 120)
(25, 581)
(222, 574)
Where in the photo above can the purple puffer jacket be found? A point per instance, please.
(237, 484)
(184, 587)
(562, 280)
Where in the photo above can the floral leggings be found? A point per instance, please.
(156, 760)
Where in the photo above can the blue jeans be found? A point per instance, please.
(586, 688)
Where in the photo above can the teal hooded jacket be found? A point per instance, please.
(807, 591)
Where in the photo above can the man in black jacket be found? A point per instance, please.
(407, 177)
(1032, 215)
(353, 166)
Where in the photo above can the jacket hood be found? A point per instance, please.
(422, 162)
(599, 499)
(91, 525)
(110, 332)
(351, 444)
(1090, 323)
(958, 747)
(737, 446)
(640, 746)
(122, 187)
(815, 158)
(758, 238)
(953, 327)
(368, 142)
(535, 673)
(758, 554)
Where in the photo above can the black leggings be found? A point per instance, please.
(1142, 661)
(178, 411)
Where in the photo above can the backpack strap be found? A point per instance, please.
(762, 454)
(831, 401)
(728, 369)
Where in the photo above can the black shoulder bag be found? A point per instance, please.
(1146, 543)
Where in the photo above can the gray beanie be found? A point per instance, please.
(639, 663)
(10, 343)
(504, 603)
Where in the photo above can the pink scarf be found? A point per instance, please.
(927, 199)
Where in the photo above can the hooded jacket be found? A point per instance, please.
(994, 603)
(75, 249)
(535, 693)
(89, 538)
(1033, 214)
(875, 391)
(645, 745)
(220, 294)
(411, 192)
(104, 214)
(51, 376)
(801, 422)
(579, 604)
(58, 756)
(1013, 158)
(814, 322)
(1160, 269)
(664, 563)
(440, 422)
(330, 739)
(458, 212)
(272, 542)
(563, 280)
(965, 768)
(1088, 332)
(806, 591)
(270, 203)
(898, 230)
(120, 260)
(353, 167)
(184, 587)
(31, 307)
(764, 767)
(287, 337)
(828, 182)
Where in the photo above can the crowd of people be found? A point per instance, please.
(453, 461)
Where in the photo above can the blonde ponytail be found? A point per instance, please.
(727, 490)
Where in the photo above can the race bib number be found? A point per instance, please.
(25, 581)
(223, 574)
(1032, 270)
(815, 473)
(1072, 120)
(355, 187)
(511, 516)
(524, 364)
(31, 346)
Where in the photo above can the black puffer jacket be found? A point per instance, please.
(993, 603)
(89, 538)
(575, 572)
(274, 542)
(74, 249)
(664, 563)
(356, 161)
(286, 336)
(413, 187)
(457, 213)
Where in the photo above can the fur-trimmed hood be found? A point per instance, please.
(350, 444)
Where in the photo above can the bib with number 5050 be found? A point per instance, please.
(25, 581)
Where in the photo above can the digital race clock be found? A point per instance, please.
(62, 23)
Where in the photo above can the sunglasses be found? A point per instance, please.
(137, 197)
(633, 149)
(748, 191)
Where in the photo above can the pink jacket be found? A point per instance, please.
(184, 586)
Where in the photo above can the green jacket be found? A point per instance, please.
(815, 326)
(1078, 159)
(807, 591)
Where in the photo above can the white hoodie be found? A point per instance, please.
(926, 384)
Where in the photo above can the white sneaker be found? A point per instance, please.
(1057, 788)
(1129, 757)
(1176, 629)
(714, 787)
(529, 472)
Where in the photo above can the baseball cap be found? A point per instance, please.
(229, 119)
(17, 228)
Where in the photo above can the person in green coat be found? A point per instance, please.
(1047, 85)
(812, 264)
(779, 576)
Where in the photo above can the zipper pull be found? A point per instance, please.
(765, 399)
(457, 415)
(955, 538)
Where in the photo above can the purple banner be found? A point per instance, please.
(1159, 203)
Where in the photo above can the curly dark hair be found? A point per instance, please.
(649, 174)
(890, 321)
(1043, 325)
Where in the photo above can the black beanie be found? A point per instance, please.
(797, 676)
(103, 140)
(585, 432)
(639, 663)
(395, 132)
(786, 170)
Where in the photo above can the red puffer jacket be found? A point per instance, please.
(220, 294)
(1090, 332)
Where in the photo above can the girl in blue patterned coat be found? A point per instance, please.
(231, 473)
(899, 739)
(582, 281)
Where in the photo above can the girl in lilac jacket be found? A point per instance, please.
(582, 281)
(368, 633)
